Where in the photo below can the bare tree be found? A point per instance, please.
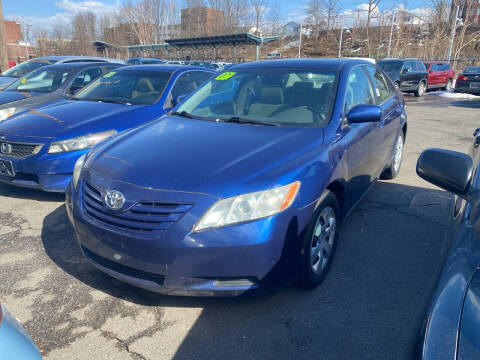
(330, 7)
(259, 7)
(274, 17)
(314, 13)
(84, 32)
(372, 8)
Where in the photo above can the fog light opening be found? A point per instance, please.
(233, 283)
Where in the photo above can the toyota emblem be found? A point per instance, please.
(114, 199)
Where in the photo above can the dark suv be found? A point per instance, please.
(408, 75)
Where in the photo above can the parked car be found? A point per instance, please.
(38, 149)
(14, 340)
(452, 324)
(11, 75)
(408, 75)
(469, 81)
(144, 61)
(440, 75)
(48, 84)
(245, 184)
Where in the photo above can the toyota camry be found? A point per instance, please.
(245, 184)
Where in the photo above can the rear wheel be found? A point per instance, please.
(420, 89)
(448, 85)
(319, 242)
(392, 171)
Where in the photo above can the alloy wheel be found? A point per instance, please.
(397, 158)
(323, 239)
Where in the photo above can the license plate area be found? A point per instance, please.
(6, 168)
(475, 85)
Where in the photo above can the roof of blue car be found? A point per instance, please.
(162, 67)
(308, 64)
(76, 65)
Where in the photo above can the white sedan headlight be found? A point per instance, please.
(78, 169)
(6, 113)
(78, 143)
(248, 207)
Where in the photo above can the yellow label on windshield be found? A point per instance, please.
(24, 80)
(109, 74)
(225, 76)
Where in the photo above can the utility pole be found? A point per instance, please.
(454, 28)
(300, 39)
(391, 33)
(341, 38)
(3, 46)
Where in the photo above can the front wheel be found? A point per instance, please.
(394, 168)
(420, 89)
(319, 242)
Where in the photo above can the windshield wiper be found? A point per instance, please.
(108, 101)
(184, 114)
(240, 120)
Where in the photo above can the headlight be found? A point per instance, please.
(78, 143)
(78, 169)
(248, 207)
(6, 113)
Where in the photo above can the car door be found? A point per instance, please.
(433, 76)
(359, 138)
(444, 72)
(408, 76)
(388, 127)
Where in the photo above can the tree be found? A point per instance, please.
(259, 7)
(3, 46)
(274, 17)
(372, 8)
(314, 13)
(84, 32)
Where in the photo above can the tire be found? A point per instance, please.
(319, 242)
(420, 89)
(393, 169)
(448, 85)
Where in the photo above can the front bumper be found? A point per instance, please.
(228, 261)
(47, 172)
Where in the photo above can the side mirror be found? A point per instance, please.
(364, 114)
(404, 71)
(430, 71)
(450, 170)
(74, 89)
(178, 99)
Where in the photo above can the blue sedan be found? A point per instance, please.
(245, 184)
(39, 147)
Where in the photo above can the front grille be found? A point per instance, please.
(21, 150)
(147, 217)
(122, 269)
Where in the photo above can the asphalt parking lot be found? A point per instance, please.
(370, 306)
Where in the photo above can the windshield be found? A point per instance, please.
(24, 68)
(472, 70)
(137, 87)
(390, 66)
(274, 96)
(41, 81)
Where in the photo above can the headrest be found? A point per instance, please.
(300, 93)
(144, 86)
(272, 95)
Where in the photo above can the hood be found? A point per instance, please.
(69, 118)
(216, 158)
(9, 96)
(6, 80)
(26, 103)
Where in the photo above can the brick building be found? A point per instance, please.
(202, 20)
(16, 48)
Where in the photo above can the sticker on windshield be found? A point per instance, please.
(225, 76)
(377, 91)
(109, 74)
(23, 81)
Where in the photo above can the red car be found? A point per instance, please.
(440, 75)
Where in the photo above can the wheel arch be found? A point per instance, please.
(337, 187)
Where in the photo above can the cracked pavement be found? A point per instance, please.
(370, 306)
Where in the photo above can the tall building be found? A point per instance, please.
(202, 20)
